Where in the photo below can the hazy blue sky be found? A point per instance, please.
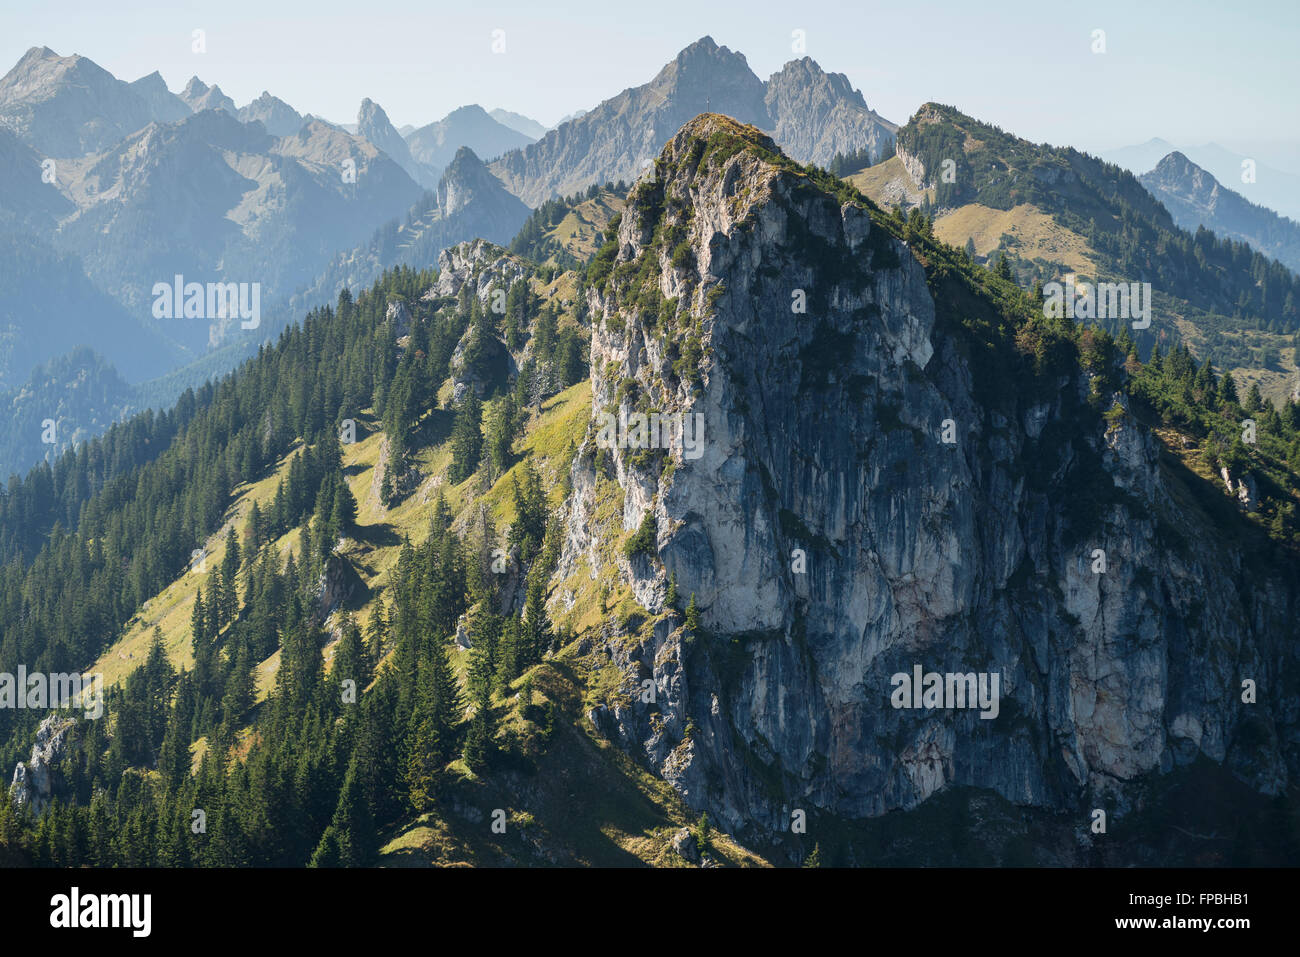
(1185, 70)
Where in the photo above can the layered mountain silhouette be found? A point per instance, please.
(469, 203)
(812, 114)
(435, 145)
(1196, 199)
(1274, 188)
(276, 116)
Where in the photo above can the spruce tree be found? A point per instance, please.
(692, 616)
(466, 439)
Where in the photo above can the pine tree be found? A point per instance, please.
(478, 740)
(444, 696)
(466, 439)
(198, 620)
(376, 636)
(231, 560)
(704, 835)
(343, 516)
(513, 657)
(1227, 388)
(355, 839)
(692, 616)
(536, 624)
(422, 765)
(256, 528)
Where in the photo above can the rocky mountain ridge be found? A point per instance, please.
(1196, 199)
(833, 538)
(813, 113)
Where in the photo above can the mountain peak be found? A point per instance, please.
(470, 110)
(372, 112)
(1176, 159)
(706, 125)
(705, 53)
(37, 55)
(704, 44)
(465, 155)
(807, 74)
(276, 116)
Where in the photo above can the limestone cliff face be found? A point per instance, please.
(832, 538)
(817, 114)
(39, 781)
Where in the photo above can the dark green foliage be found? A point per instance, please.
(644, 540)
(466, 439)
(531, 242)
(1133, 233)
(692, 616)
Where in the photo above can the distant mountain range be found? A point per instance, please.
(115, 187)
(436, 144)
(468, 203)
(1195, 198)
(812, 114)
(1277, 189)
(519, 123)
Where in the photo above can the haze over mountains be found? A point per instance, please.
(1052, 211)
(143, 184)
(369, 557)
(1277, 189)
(1195, 198)
(814, 114)
(365, 569)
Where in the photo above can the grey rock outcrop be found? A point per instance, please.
(480, 263)
(813, 115)
(374, 125)
(469, 204)
(39, 780)
(276, 116)
(816, 114)
(823, 434)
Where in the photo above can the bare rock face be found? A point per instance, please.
(817, 114)
(485, 268)
(811, 113)
(39, 780)
(1243, 489)
(915, 168)
(338, 580)
(833, 538)
(68, 106)
(479, 262)
(685, 846)
(400, 316)
(276, 116)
